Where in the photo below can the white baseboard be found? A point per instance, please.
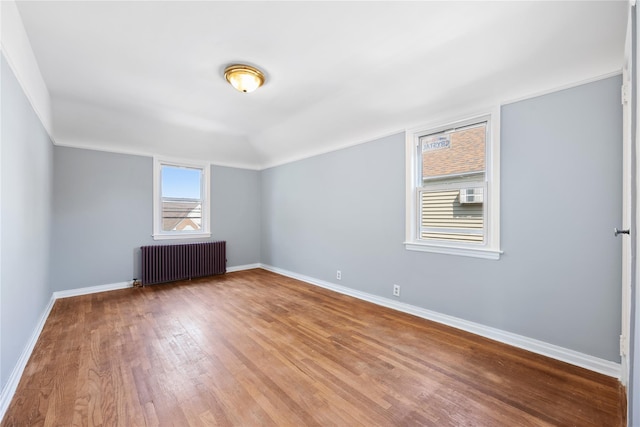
(243, 267)
(12, 383)
(91, 290)
(10, 388)
(602, 366)
(573, 357)
(124, 285)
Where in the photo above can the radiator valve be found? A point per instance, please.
(137, 283)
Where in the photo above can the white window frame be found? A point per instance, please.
(490, 248)
(158, 233)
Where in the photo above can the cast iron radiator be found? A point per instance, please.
(168, 263)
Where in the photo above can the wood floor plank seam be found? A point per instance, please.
(254, 348)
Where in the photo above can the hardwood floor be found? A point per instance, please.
(254, 348)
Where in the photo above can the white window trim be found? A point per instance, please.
(158, 233)
(491, 248)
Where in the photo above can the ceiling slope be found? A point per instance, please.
(146, 77)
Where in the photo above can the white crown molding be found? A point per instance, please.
(320, 152)
(314, 153)
(15, 45)
(576, 358)
(18, 53)
(142, 153)
(563, 87)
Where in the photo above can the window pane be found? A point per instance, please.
(181, 183)
(181, 215)
(181, 199)
(457, 152)
(452, 214)
(451, 199)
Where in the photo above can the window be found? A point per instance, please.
(180, 200)
(453, 188)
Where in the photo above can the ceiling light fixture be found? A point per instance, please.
(245, 78)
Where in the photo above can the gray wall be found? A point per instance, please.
(26, 221)
(235, 213)
(559, 278)
(103, 213)
(558, 281)
(102, 207)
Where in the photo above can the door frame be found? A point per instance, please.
(629, 175)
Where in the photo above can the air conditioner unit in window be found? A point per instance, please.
(471, 195)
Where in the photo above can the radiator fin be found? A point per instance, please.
(169, 263)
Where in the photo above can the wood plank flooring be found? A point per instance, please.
(254, 348)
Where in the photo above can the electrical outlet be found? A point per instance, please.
(396, 290)
(339, 275)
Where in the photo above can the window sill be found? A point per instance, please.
(493, 254)
(181, 236)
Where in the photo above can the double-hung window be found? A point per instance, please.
(453, 189)
(180, 200)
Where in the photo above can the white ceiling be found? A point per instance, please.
(147, 77)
